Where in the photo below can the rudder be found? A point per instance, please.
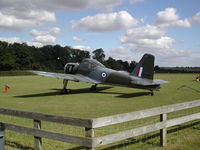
(145, 67)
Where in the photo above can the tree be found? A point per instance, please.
(132, 65)
(7, 60)
(18, 56)
(156, 68)
(99, 55)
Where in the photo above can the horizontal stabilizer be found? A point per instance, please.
(160, 81)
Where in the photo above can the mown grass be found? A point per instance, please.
(42, 94)
(14, 73)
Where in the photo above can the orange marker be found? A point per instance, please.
(6, 88)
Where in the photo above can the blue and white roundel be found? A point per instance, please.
(103, 75)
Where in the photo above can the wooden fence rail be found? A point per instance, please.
(89, 140)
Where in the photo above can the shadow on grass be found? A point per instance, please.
(146, 139)
(54, 92)
(77, 148)
(99, 90)
(14, 144)
(138, 94)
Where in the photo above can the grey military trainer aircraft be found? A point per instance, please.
(92, 71)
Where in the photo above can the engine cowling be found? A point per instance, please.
(71, 68)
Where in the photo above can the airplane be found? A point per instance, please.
(92, 71)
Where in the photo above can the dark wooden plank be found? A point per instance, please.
(87, 142)
(46, 117)
(115, 119)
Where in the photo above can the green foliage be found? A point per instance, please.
(50, 58)
(22, 57)
(99, 55)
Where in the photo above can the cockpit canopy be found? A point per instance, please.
(86, 66)
(90, 64)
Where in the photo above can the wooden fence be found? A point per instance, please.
(89, 140)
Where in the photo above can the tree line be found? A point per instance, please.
(18, 56)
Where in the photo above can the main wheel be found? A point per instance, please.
(93, 88)
(152, 93)
(66, 91)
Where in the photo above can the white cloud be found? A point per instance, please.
(55, 31)
(83, 47)
(122, 53)
(52, 31)
(151, 44)
(147, 37)
(36, 44)
(145, 32)
(106, 22)
(66, 5)
(77, 39)
(136, 1)
(32, 18)
(20, 14)
(152, 39)
(168, 15)
(8, 22)
(196, 18)
(105, 5)
(35, 32)
(18, 40)
(174, 57)
(11, 40)
(44, 37)
(41, 15)
(170, 19)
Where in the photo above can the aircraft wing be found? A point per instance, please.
(72, 77)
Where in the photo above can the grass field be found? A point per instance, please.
(42, 94)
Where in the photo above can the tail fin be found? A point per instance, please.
(145, 68)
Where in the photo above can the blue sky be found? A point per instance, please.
(125, 29)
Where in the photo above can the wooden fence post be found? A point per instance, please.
(89, 132)
(163, 132)
(38, 140)
(2, 136)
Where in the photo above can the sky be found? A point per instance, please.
(124, 29)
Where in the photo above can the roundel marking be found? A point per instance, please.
(103, 75)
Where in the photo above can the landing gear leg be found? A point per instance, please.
(152, 92)
(65, 90)
(93, 87)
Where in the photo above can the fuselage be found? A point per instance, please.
(98, 72)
